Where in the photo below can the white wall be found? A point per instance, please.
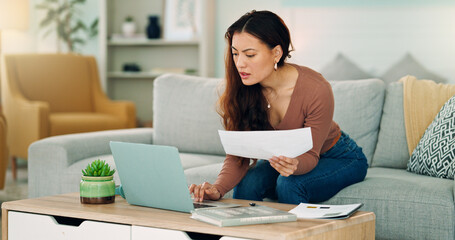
(374, 37)
(15, 41)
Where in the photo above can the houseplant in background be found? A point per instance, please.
(62, 17)
(129, 27)
(97, 183)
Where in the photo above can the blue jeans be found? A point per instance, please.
(342, 165)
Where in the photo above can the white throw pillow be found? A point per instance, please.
(342, 68)
(408, 65)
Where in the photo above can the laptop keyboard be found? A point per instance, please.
(201, 205)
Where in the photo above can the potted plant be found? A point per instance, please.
(63, 17)
(97, 183)
(129, 27)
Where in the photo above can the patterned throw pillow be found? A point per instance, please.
(435, 154)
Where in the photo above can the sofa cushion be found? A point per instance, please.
(358, 108)
(408, 65)
(207, 173)
(434, 155)
(392, 148)
(77, 122)
(184, 113)
(342, 68)
(192, 160)
(403, 203)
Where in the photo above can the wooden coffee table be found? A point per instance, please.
(141, 220)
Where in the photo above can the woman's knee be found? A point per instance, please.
(247, 189)
(257, 183)
(289, 190)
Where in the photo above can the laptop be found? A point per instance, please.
(152, 176)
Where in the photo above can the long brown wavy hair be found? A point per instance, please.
(244, 108)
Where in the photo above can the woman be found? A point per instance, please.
(263, 92)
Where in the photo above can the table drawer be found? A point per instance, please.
(147, 233)
(23, 226)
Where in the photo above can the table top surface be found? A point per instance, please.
(69, 205)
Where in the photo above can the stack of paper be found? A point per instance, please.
(266, 144)
(313, 211)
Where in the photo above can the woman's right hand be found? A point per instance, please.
(204, 191)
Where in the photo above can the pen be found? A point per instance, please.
(317, 207)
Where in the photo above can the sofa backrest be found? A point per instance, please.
(184, 113)
(358, 109)
(65, 81)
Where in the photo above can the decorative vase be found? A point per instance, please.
(153, 29)
(128, 29)
(97, 189)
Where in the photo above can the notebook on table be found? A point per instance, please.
(152, 176)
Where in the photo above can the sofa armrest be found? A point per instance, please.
(50, 156)
(3, 151)
(27, 121)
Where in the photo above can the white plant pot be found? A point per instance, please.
(129, 29)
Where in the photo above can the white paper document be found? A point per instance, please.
(315, 211)
(266, 144)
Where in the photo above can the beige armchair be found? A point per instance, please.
(53, 94)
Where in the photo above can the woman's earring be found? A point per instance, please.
(275, 67)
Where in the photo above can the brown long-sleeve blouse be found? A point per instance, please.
(311, 105)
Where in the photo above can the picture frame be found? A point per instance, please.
(181, 19)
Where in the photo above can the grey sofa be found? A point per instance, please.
(407, 205)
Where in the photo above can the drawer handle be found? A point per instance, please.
(76, 222)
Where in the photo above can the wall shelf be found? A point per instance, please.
(149, 42)
(153, 56)
(140, 75)
(132, 75)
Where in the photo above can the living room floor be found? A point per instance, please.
(15, 190)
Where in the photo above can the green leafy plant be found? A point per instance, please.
(129, 19)
(61, 18)
(98, 168)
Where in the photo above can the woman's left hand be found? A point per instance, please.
(284, 165)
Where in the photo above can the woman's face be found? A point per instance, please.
(253, 58)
